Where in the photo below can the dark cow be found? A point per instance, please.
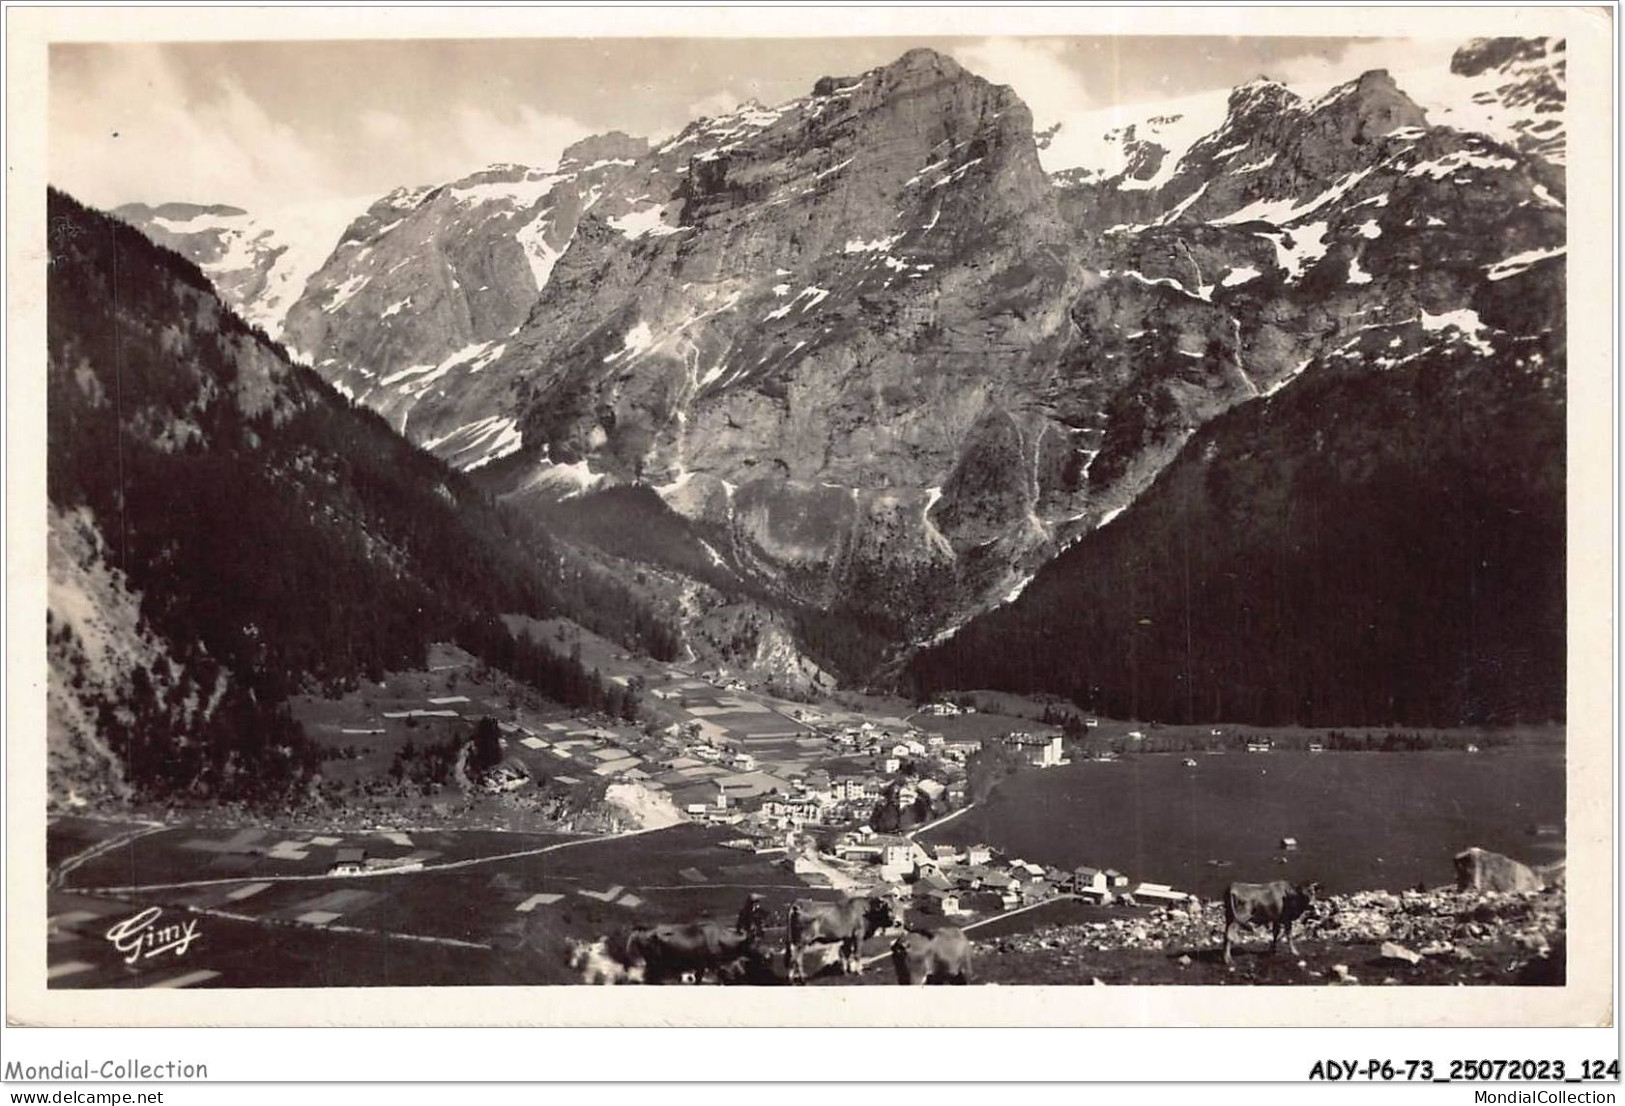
(671, 953)
(1277, 904)
(849, 923)
(940, 957)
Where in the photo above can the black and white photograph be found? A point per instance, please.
(817, 510)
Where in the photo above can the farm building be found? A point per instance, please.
(1089, 881)
(1158, 893)
(348, 862)
(857, 850)
(1000, 881)
(1038, 750)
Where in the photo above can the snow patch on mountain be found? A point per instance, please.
(478, 443)
(1102, 143)
(532, 238)
(1465, 322)
(1518, 262)
(1518, 100)
(644, 222)
(1299, 248)
(636, 341)
(527, 191)
(259, 261)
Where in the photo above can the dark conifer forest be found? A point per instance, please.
(1401, 562)
(274, 531)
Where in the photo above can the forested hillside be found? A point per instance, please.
(275, 537)
(1362, 548)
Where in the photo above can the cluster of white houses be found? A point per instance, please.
(821, 799)
(954, 880)
(914, 765)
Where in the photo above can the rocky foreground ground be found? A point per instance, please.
(1442, 937)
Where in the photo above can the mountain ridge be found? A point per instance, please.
(888, 358)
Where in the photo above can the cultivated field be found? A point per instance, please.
(487, 908)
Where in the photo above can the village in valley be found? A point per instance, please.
(468, 817)
(716, 789)
(836, 796)
(486, 829)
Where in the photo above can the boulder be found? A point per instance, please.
(1393, 951)
(1481, 870)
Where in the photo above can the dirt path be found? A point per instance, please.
(451, 865)
(939, 821)
(1017, 910)
(101, 847)
(985, 921)
(418, 938)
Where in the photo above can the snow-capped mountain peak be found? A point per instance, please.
(259, 261)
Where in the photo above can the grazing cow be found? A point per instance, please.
(669, 953)
(940, 957)
(849, 923)
(688, 953)
(1277, 904)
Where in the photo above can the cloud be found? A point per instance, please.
(384, 126)
(134, 123)
(529, 137)
(1036, 69)
(721, 102)
(1310, 74)
(125, 127)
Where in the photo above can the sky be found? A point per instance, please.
(268, 124)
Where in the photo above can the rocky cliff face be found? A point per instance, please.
(427, 287)
(887, 362)
(1404, 284)
(833, 345)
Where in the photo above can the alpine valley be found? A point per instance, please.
(1252, 410)
(855, 514)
